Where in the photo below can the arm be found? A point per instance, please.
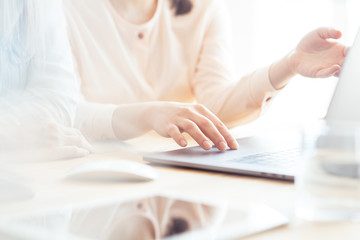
(169, 119)
(38, 115)
(49, 90)
(214, 85)
(52, 77)
(243, 100)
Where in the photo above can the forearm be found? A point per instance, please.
(108, 121)
(281, 72)
(38, 104)
(241, 101)
(132, 120)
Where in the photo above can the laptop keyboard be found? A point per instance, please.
(284, 159)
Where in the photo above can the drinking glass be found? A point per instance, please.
(328, 179)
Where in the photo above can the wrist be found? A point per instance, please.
(115, 121)
(282, 71)
(292, 62)
(131, 120)
(147, 114)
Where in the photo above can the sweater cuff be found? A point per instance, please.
(261, 89)
(95, 120)
(103, 122)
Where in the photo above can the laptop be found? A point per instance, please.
(272, 156)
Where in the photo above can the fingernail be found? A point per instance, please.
(207, 145)
(234, 145)
(183, 143)
(222, 146)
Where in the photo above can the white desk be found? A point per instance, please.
(51, 190)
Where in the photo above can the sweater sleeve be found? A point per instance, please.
(52, 78)
(234, 102)
(49, 91)
(94, 120)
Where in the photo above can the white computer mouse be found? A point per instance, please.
(113, 170)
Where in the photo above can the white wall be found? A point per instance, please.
(265, 30)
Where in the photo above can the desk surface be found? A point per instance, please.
(51, 190)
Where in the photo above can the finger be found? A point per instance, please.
(85, 144)
(73, 136)
(220, 126)
(327, 72)
(341, 63)
(174, 133)
(70, 152)
(346, 51)
(78, 141)
(193, 130)
(326, 33)
(210, 131)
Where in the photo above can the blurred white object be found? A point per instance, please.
(12, 186)
(113, 169)
(347, 89)
(328, 184)
(12, 191)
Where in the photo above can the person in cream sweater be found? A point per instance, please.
(164, 65)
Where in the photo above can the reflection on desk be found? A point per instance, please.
(152, 217)
(51, 190)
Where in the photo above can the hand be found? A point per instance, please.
(44, 140)
(171, 119)
(318, 57)
(33, 140)
(61, 142)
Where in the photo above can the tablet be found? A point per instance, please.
(155, 216)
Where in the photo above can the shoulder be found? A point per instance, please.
(83, 6)
(88, 11)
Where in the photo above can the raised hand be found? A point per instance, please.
(317, 55)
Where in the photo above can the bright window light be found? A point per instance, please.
(265, 31)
